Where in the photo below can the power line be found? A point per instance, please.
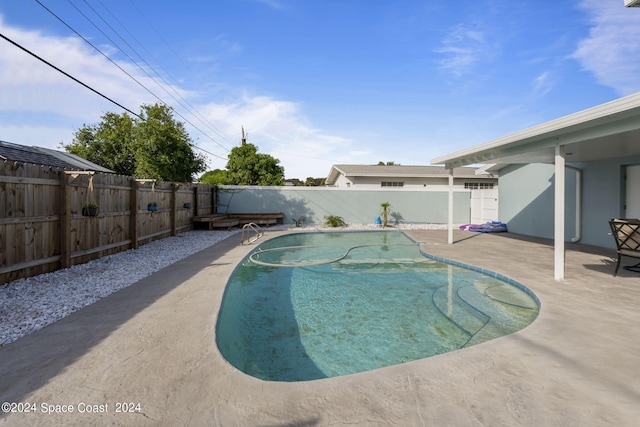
(90, 88)
(98, 50)
(195, 111)
(159, 34)
(68, 75)
(133, 78)
(134, 62)
(167, 84)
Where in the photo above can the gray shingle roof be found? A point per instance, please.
(45, 156)
(401, 170)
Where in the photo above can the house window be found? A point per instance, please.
(478, 185)
(392, 184)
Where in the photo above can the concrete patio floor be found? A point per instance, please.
(153, 344)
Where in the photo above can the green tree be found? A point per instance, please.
(108, 143)
(216, 177)
(295, 182)
(315, 182)
(156, 146)
(248, 167)
(164, 149)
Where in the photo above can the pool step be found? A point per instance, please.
(460, 313)
(505, 317)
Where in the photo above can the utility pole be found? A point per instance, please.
(244, 139)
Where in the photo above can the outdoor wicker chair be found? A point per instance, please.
(626, 232)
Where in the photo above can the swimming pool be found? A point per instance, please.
(306, 306)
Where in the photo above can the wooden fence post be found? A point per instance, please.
(174, 207)
(214, 200)
(195, 200)
(133, 218)
(65, 221)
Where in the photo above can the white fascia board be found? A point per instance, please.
(632, 3)
(333, 175)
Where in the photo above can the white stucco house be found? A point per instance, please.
(411, 178)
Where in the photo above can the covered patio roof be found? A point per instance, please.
(606, 131)
(609, 130)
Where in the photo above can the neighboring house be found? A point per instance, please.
(398, 177)
(45, 156)
(595, 157)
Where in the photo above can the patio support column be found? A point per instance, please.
(559, 206)
(450, 221)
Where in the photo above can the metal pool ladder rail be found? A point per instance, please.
(247, 229)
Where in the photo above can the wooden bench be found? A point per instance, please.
(215, 221)
(260, 219)
(229, 220)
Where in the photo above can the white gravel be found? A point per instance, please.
(27, 305)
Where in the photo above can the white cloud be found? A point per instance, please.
(40, 106)
(611, 50)
(279, 128)
(542, 84)
(37, 135)
(462, 48)
(32, 86)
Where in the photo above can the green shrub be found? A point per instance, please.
(334, 221)
(298, 222)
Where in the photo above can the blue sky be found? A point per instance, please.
(316, 83)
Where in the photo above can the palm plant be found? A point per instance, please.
(298, 222)
(385, 213)
(334, 221)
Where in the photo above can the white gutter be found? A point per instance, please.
(578, 235)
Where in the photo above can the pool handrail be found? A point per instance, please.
(252, 226)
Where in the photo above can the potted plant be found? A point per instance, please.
(90, 210)
(152, 207)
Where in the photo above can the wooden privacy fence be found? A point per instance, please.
(46, 222)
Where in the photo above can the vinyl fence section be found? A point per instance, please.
(354, 206)
(46, 223)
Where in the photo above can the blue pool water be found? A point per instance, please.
(313, 305)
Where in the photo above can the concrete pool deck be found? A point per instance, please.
(153, 344)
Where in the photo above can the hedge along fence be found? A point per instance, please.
(44, 222)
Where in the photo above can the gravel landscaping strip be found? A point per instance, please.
(27, 305)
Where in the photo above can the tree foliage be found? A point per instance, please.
(309, 182)
(315, 182)
(216, 177)
(248, 167)
(155, 147)
(108, 143)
